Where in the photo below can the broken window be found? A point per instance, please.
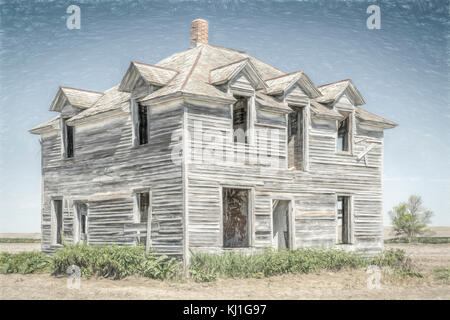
(280, 224)
(142, 124)
(67, 138)
(343, 219)
(296, 139)
(343, 141)
(240, 119)
(58, 220)
(143, 202)
(235, 218)
(82, 221)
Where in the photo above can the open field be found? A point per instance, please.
(346, 284)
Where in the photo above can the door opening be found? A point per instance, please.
(281, 224)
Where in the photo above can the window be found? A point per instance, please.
(67, 138)
(235, 218)
(240, 120)
(57, 221)
(143, 203)
(343, 220)
(143, 200)
(343, 141)
(142, 124)
(296, 137)
(81, 227)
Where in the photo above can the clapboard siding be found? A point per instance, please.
(314, 192)
(107, 168)
(105, 164)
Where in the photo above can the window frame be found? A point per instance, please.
(350, 223)
(136, 138)
(251, 114)
(303, 109)
(65, 139)
(348, 115)
(250, 215)
(77, 225)
(136, 213)
(54, 220)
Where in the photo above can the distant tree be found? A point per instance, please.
(410, 218)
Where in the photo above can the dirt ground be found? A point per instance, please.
(347, 284)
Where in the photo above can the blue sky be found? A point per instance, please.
(402, 70)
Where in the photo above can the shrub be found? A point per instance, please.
(410, 218)
(209, 267)
(113, 261)
(24, 262)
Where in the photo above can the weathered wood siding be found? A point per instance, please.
(313, 193)
(105, 170)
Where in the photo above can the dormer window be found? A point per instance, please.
(240, 120)
(67, 134)
(343, 137)
(296, 138)
(140, 117)
(143, 124)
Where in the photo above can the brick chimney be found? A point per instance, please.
(199, 32)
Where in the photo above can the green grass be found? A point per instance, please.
(19, 240)
(430, 240)
(24, 262)
(117, 262)
(114, 262)
(209, 267)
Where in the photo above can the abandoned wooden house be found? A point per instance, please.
(210, 150)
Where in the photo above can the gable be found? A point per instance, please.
(238, 75)
(77, 99)
(242, 82)
(344, 103)
(142, 76)
(296, 95)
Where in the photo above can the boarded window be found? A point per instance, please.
(67, 137)
(58, 216)
(295, 139)
(343, 219)
(81, 228)
(240, 119)
(142, 124)
(235, 218)
(343, 135)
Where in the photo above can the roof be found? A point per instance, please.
(151, 74)
(283, 83)
(78, 98)
(268, 102)
(196, 72)
(333, 91)
(371, 118)
(324, 111)
(113, 99)
(194, 67)
(46, 126)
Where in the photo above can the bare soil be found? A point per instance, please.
(346, 284)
